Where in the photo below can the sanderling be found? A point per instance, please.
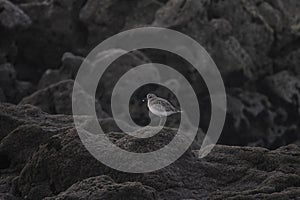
(160, 107)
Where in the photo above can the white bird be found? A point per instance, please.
(160, 107)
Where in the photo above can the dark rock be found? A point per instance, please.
(272, 15)
(290, 62)
(291, 9)
(64, 154)
(77, 26)
(12, 21)
(13, 90)
(71, 64)
(12, 17)
(8, 49)
(168, 15)
(143, 13)
(252, 30)
(234, 62)
(7, 196)
(14, 116)
(250, 41)
(271, 177)
(6, 179)
(22, 142)
(2, 96)
(247, 111)
(57, 99)
(68, 70)
(276, 15)
(253, 120)
(285, 89)
(103, 187)
(216, 36)
(7, 75)
(100, 21)
(102, 18)
(51, 169)
(55, 29)
(141, 145)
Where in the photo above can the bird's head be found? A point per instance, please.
(150, 96)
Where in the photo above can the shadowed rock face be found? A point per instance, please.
(13, 116)
(57, 99)
(44, 155)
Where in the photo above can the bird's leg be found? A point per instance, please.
(160, 121)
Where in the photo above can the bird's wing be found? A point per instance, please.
(166, 105)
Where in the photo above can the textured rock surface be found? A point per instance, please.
(251, 29)
(253, 119)
(12, 17)
(22, 142)
(68, 70)
(14, 116)
(103, 187)
(52, 168)
(57, 99)
(12, 89)
(228, 53)
(51, 161)
(285, 87)
(7, 196)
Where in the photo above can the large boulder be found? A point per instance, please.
(14, 116)
(255, 173)
(103, 187)
(21, 143)
(216, 35)
(234, 171)
(57, 99)
(52, 152)
(252, 30)
(24, 128)
(51, 169)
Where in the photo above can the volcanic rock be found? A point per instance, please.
(57, 99)
(103, 187)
